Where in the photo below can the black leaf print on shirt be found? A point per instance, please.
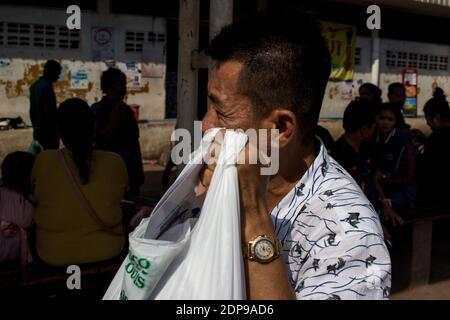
(353, 219)
(370, 260)
(316, 264)
(337, 266)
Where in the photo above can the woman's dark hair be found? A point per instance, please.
(358, 114)
(16, 172)
(437, 106)
(109, 77)
(76, 125)
(439, 94)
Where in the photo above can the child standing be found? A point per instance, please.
(16, 207)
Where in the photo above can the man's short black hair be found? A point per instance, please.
(375, 90)
(394, 86)
(286, 63)
(109, 77)
(358, 114)
(52, 68)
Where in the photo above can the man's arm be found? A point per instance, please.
(264, 281)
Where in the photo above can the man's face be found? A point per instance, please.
(398, 96)
(227, 107)
(366, 95)
(118, 89)
(55, 75)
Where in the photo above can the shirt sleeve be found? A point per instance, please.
(355, 268)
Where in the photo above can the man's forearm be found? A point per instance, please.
(264, 281)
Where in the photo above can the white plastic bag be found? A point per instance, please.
(146, 262)
(176, 254)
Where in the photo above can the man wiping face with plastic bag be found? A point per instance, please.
(308, 232)
(305, 231)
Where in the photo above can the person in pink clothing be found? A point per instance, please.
(16, 207)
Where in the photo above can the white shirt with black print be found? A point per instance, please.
(332, 238)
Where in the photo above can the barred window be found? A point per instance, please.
(134, 40)
(357, 56)
(38, 36)
(402, 59)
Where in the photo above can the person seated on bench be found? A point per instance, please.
(359, 125)
(16, 207)
(394, 160)
(78, 192)
(433, 173)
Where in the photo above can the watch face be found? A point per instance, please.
(264, 249)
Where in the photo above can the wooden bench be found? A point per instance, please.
(43, 281)
(421, 220)
(37, 280)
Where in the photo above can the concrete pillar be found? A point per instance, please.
(187, 75)
(375, 57)
(220, 14)
(104, 7)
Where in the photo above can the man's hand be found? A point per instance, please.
(390, 214)
(208, 170)
(264, 281)
(250, 178)
(9, 230)
(378, 176)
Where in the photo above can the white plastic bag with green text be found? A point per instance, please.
(190, 247)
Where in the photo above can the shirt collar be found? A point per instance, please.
(310, 181)
(388, 137)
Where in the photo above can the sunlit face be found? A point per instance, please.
(398, 96)
(386, 121)
(227, 107)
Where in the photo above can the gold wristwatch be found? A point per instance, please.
(262, 249)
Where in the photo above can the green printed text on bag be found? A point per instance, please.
(138, 269)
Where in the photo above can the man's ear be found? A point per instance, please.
(286, 122)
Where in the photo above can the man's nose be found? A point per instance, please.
(209, 121)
